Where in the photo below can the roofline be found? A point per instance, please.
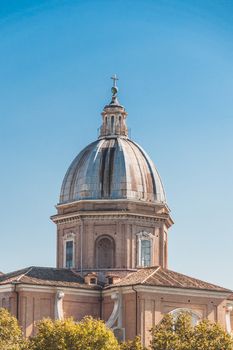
(32, 286)
(37, 267)
(111, 288)
(170, 290)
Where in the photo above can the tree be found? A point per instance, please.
(88, 334)
(184, 330)
(211, 336)
(132, 345)
(179, 334)
(164, 336)
(11, 337)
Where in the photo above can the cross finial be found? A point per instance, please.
(114, 78)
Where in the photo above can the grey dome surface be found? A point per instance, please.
(112, 168)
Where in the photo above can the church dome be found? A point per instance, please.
(112, 167)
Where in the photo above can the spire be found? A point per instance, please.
(114, 116)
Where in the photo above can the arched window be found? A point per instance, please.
(119, 123)
(105, 252)
(112, 124)
(194, 315)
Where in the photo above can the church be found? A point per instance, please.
(113, 225)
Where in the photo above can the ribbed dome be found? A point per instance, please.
(112, 168)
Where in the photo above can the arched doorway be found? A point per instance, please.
(105, 252)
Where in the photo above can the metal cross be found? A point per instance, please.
(114, 78)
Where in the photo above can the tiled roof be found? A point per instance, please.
(46, 276)
(149, 276)
(159, 277)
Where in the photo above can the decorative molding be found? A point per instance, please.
(120, 200)
(49, 289)
(6, 288)
(169, 290)
(144, 235)
(229, 308)
(184, 291)
(116, 314)
(196, 317)
(69, 236)
(58, 310)
(165, 236)
(63, 219)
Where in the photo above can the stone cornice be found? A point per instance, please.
(95, 216)
(101, 201)
(5, 288)
(167, 290)
(49, 289)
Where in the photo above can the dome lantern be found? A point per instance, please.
(114, 116)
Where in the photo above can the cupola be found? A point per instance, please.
(114, 116)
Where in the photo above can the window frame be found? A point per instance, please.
(145, 253)
(144, 236)
(69, 238)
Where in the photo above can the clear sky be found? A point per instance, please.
(175, 63)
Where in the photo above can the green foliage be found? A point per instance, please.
(164, 336)
(211, 336)
(11, 337)
(179, 334)
(89, 334)
(132, 345)
(184, 330)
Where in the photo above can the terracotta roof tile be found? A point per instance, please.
(46, 276)
(150, 276)
(156, 276)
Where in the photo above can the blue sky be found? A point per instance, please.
(174, 60)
